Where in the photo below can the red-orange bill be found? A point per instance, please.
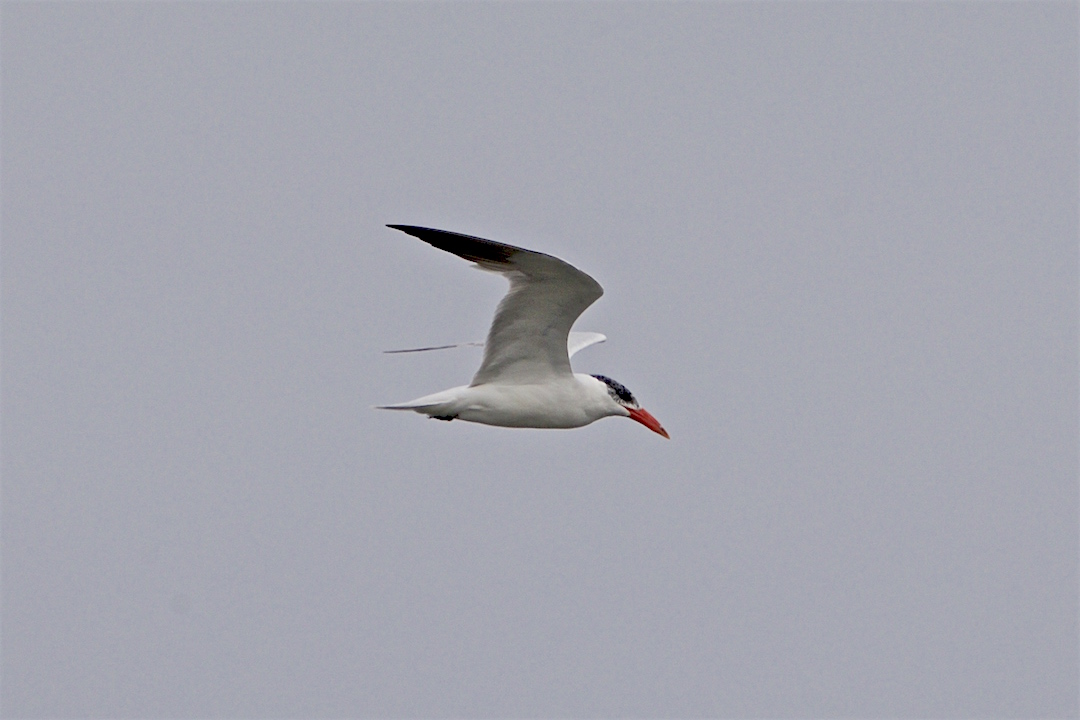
(643, 417)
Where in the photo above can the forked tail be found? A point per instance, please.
(435, 405)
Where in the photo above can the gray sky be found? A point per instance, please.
(839, 244)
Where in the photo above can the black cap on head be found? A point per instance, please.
(617, 389)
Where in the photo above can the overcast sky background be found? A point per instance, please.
(839, 248)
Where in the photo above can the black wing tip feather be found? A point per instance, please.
(464, 246)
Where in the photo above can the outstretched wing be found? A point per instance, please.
(433, 347)
(581, 340)
(527, 342)
(575, 341)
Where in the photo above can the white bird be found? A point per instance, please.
(525, 378)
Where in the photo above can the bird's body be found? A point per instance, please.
(570, 402)
(525, 378)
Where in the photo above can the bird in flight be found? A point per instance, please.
(525, 378)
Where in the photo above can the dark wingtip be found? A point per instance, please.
(464, 246)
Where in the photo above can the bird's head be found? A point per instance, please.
(625, 401)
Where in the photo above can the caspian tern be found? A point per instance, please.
(525, 378)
